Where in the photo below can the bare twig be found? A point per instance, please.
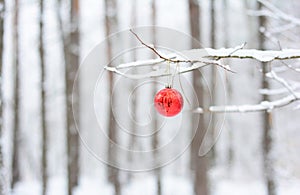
(291, 67)
(148, 46)
(179, 60)
(237, 48)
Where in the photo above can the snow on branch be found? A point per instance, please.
(162, 72)
(208, 57)
(171, 58)
(198, 58)
(263, 106)
(260, 55)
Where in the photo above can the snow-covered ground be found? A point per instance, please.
(172, 185)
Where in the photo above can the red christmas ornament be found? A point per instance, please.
(168, 102)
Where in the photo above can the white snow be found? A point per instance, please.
(145, 184)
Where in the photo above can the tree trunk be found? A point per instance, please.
(213, 78)
(155, 138)
(16, 124)
(225, 23)
(71, 60)
(212, 24)
(132, 140)
(198, 164)
(110, 27)
(228, 84)
(267, 117)
(72, 96)
(2, 12)
(44, 164)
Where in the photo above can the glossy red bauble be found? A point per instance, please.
(168, 102)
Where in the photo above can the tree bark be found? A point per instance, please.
(110, 27)
(225, 23)
(72, 96)
(132, 139)
(71, 59)
(44, 131)
(228, 84)
(2, 179)
(198, 164)
(267, 117)
(155, 138)
(16, 124)
(134, 97)
(213, 78)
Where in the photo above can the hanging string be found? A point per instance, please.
(181, 87)
(169, 82)
(174, 73)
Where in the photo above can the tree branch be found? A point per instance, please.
(260, 55)
(207, 58)
(263, 106)
(179, 60)
(283, 82)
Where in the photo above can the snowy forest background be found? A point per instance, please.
(42, 45)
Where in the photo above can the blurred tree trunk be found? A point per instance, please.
(16, 124)
(132, 140)
(267, 116)
(155, 138)
(198, 163)
(111, 27)
(212, 24)
(2, 179)
(44, 164)
(72, 95)
(69, 56)
(213, 79)
(228, 82)
(225, 23)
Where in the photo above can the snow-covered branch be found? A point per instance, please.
(263, 106)
(197, 58)
(193, 59)
(204, 57)
(161, 72)
(260, 55)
